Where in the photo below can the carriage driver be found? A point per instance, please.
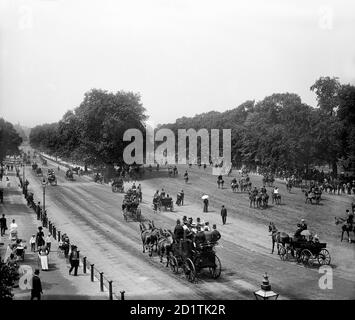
(178, 231)
(303, 225)
(350, 218)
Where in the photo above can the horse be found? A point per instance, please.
(252, 198)
(276, 197)
(147, 237)
(164, 245)
(346, 227)
(262, 200)
(278, 237)
(234, 186)
(289, 186)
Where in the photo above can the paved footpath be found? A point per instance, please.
(57, 284)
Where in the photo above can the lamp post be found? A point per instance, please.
(44, 184)
(265, 293)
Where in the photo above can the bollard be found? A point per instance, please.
(92, 272)
(122, 295)
(84, 265)
(110, 295)
(50, 227)
(58, 235)
(101, 281)
(54, 233)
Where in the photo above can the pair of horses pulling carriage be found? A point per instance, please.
(304, 251)
(182, 255)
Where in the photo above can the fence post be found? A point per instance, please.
(101, 281)
(50, 227)
(110, 295)
(54, 232)
(58, 235)
(84, 265)
(92, 272)
(122, 295)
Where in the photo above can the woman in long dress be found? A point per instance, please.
(43, 256)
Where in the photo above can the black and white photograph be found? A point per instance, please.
(169, 151)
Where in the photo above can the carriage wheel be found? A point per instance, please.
(306, 257)
(173, 264)
(324, 257)
(216, 271)
(189, 270)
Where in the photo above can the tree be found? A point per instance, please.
(9, 139)
(8, 276)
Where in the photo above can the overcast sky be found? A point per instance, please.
(183, 57)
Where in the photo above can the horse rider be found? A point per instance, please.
(134, 188)
(263, 189)
(303, 225)
(178, 231)
(350, 218)
(255, 192)
(276, 190)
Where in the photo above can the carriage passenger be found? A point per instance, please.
(162, 194)
(207, 226)
(200, 237)
(303, 225)
(215, 235)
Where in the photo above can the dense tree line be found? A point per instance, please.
(283, 133)
(9, 139)
(93, 132)
(279, 132)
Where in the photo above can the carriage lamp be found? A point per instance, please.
(265, 293)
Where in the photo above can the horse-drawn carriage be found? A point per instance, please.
(98, 178)
(39, 172)
(166, 203)
(306, 252)
(69, 175)
(313, 195)
(130, 205)
(117, 185)
(51, 177)
(192, 259)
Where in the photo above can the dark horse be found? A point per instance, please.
(149, 237)
(278, 237)
(346, 227)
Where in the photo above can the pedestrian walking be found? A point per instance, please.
(224, 214)
(32, 243)
(1, 196)
(38, 210)
(74, 260)
(205, 205)
(40, 238)
(3, 226)
(48, 241)
(36, 290)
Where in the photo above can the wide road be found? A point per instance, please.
(90, 213)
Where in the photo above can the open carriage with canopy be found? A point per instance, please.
(192, 258)
(307, 252)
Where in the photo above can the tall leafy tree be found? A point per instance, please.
(9, 139)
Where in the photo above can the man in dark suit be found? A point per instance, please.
(36, 290)
(74, 260)
(3, 226)
(224, 215)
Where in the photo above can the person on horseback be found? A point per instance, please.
(276, 190)
(255, 192)
(263, 189)
(134, 188)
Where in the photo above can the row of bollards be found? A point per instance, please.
(57, 236)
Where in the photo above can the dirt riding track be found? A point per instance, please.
(91, 214)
